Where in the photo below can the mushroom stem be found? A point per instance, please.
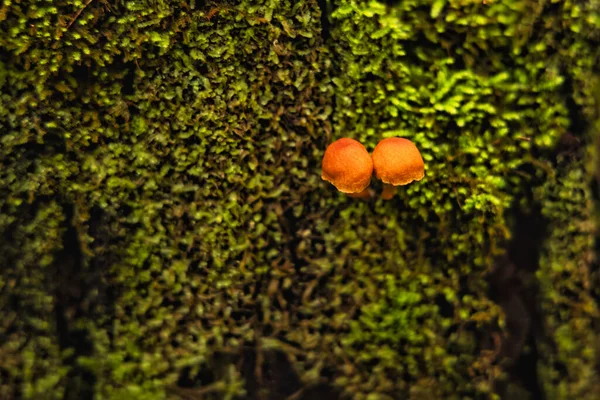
(364, 195)
(388, 191)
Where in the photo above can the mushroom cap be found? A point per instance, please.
(397, 161)
(347, 165)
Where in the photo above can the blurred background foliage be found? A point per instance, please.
(166, 234)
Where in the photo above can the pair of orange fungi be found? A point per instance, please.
(348, 166)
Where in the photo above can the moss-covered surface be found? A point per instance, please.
(568, 363)
(166, 234)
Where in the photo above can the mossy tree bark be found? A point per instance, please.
(166, 234)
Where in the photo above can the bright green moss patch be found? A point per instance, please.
(165, 231)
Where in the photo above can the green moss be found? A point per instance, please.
(32, 366)
(161, 198)
(566, 293)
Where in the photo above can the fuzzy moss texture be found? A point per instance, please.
(165, 232)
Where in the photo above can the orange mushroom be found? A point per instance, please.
(397, 161)
(348, 166)
(364, 195)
